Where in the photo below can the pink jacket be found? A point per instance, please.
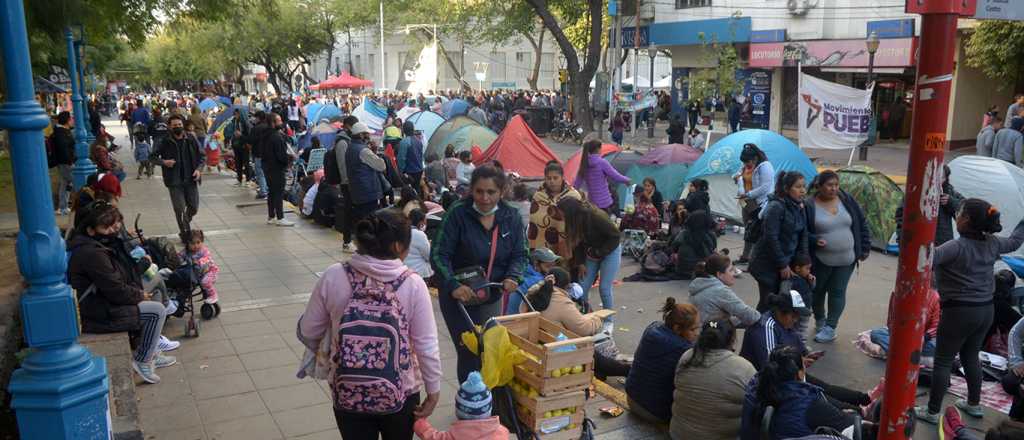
(485, 429)
(333, 291)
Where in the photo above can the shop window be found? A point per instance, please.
(683, 4)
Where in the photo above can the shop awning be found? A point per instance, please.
(886, 70)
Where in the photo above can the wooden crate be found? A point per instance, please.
(538, 338)
(531, 411)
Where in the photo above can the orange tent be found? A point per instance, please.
(572, 166)
(519, 150)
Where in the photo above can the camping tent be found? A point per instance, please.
(722, 161)
(465, 138)
(995, 181)
(320, 112)
(519, 150)
(372, 114)
(208, 104)
(220, 122)
(664, 164)
(572, 166)
(455, 107)
(434, 142)
(404, 112)
(878, 196)
(325, 131)
(427, 122)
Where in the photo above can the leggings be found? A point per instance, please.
(962, 330)
(397, 426)
(151, 321)
(275, 195)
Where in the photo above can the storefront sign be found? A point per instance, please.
(892, 28)
(831, 115)
(629, 33)
(503, 84)
(682, 33)
(768, 36)
(892, 52)
(1000, 10)
(756, 100)
(680, 92)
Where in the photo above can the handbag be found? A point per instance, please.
(476, 278)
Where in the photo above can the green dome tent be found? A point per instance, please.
(878, 196)
(436, 144)
(465, 138)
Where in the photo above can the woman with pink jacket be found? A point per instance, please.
(379, 317)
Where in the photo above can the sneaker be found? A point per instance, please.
(261, 196)
(971, 410)
(162, 361)
(285, 222)
(348, 248)
(926, 416)
(949, 424)
(271, 221)
(147, 371)
(167, 344)
(826, 334)
(172, 306)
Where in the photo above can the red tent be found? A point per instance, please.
(344, 81)
(519, 150)
(572, 166)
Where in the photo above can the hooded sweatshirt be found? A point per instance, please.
(1009, 143)
(596, 180)
(714, 300)
(650, 379)
(485, 429)
(332, 293)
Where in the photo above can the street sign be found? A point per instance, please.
(1000, 10)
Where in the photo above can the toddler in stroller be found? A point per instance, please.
(197, 270)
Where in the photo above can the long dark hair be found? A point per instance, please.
(750, 151)
(785, 181)
(376, 235)
(541, 298)
(592, 146)
(783, 365)
(717, 334)
(823, 178)
(578, 215)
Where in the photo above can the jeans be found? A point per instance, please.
(962, 330)
(261, 180)
(275, 195)
(64, 179)
(185, 201)
(881, 335)
(831, 281)
(466, 362)
(397, 426)
(609, 269)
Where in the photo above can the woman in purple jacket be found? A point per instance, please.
(594, 174)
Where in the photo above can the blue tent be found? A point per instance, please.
(321, 111)
(455, 107)
(426, 122)
(311, 110)
(722, 161)
(219, 122)
(225, 100)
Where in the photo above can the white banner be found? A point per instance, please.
(832, 115)
(423, 77)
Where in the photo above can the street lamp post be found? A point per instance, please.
(80, 55)
(83, 166)
(60, 391)
(652, 117)
(872, 45)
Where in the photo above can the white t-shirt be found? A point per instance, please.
(419, 254)
(464, 172)
(307, 202)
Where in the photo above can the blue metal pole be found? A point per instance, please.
(83, 166)
(60, 391)
(80, 54)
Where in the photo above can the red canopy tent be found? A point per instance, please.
(343, 81)
(519, 150)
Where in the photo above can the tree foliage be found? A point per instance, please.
(718, 81)
(997, 48)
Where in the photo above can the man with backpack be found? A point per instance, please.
(336, 174)
(62, 156)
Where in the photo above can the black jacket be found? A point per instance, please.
(258, 137)
(859, 226)
(113, 306)
(698, 201)
(275, 153)
(188, 158)
(677, 132)
(63, 146)
(947, 214)
(784, 236)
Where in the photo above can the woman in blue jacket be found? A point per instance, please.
(651, 379)
(784, 235)
(469, 230)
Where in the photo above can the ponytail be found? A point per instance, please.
(783, 365)
(982, 218)
(678, 315)
(713, 265)
(718, 334)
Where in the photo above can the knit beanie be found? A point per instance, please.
(473, 401)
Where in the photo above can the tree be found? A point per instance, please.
(512, 20)
(580, 74)
(997, 48)
(719, 81)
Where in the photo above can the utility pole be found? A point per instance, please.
(920, 209)
(636, 66)
(383, 77)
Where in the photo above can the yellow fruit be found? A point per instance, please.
(566, 371)
(547, 415)
(572, 426)
(577, 369)
(556, 373)
(533, 394)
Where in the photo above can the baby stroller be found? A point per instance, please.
(181, 279)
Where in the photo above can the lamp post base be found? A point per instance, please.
(80, 172)
(62, 394)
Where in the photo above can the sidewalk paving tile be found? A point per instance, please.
(227, 408)
(276, 377)
(262, 360)
(331, 434)
(293, 396)
(213, 367)
(219, 386)
(252, 344)
(307, 420)
(261, 427)
(254, 328)
(179, 415)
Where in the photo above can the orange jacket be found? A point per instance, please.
(485, 429)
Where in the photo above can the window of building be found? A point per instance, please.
(496, 68)
(683, 4)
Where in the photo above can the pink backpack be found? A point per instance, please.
(373, 347)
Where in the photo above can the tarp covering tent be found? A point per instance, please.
(466, 138)
(325, 131)
(372, 114)
(434, 143)
(671, 153)
(995, 181)
(208, 104)
(221, 120)
(320, 113)
(519, 150)
(427, 122)
(878, 196)
(572, 166)
(312, 109)
(455, 107)
(722, 161)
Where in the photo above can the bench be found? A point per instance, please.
(124, 409)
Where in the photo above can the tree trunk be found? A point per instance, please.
(408, 64)
(454, 68)
(351, 69)
(538, 52)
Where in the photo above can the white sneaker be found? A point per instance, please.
(147, 371)
(162, 361)
(172, 306)
(285, 222)
(167, 344)
(271, 221)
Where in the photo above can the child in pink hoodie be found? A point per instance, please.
(382, 242)
(473, 410)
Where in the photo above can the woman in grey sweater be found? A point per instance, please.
(711, 293)
(964, 279)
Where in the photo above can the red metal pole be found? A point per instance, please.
(924, 184)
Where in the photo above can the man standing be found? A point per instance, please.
(258, 137)
(275, 164)
(987, 137)
(63, 144)
(364, 168)
(235, 135)
(181, 162)
(410, 156)
(341, 145)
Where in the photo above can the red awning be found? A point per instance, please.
(344, 81)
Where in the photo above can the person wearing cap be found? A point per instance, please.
(364, 169)
(473, 411)
(542, 260)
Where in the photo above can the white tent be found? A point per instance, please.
(664, 83)
(643, 82)
(996, 181)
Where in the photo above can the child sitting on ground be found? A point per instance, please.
(473, 410)
(206, 269)
(465, 168)
(802, 283)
